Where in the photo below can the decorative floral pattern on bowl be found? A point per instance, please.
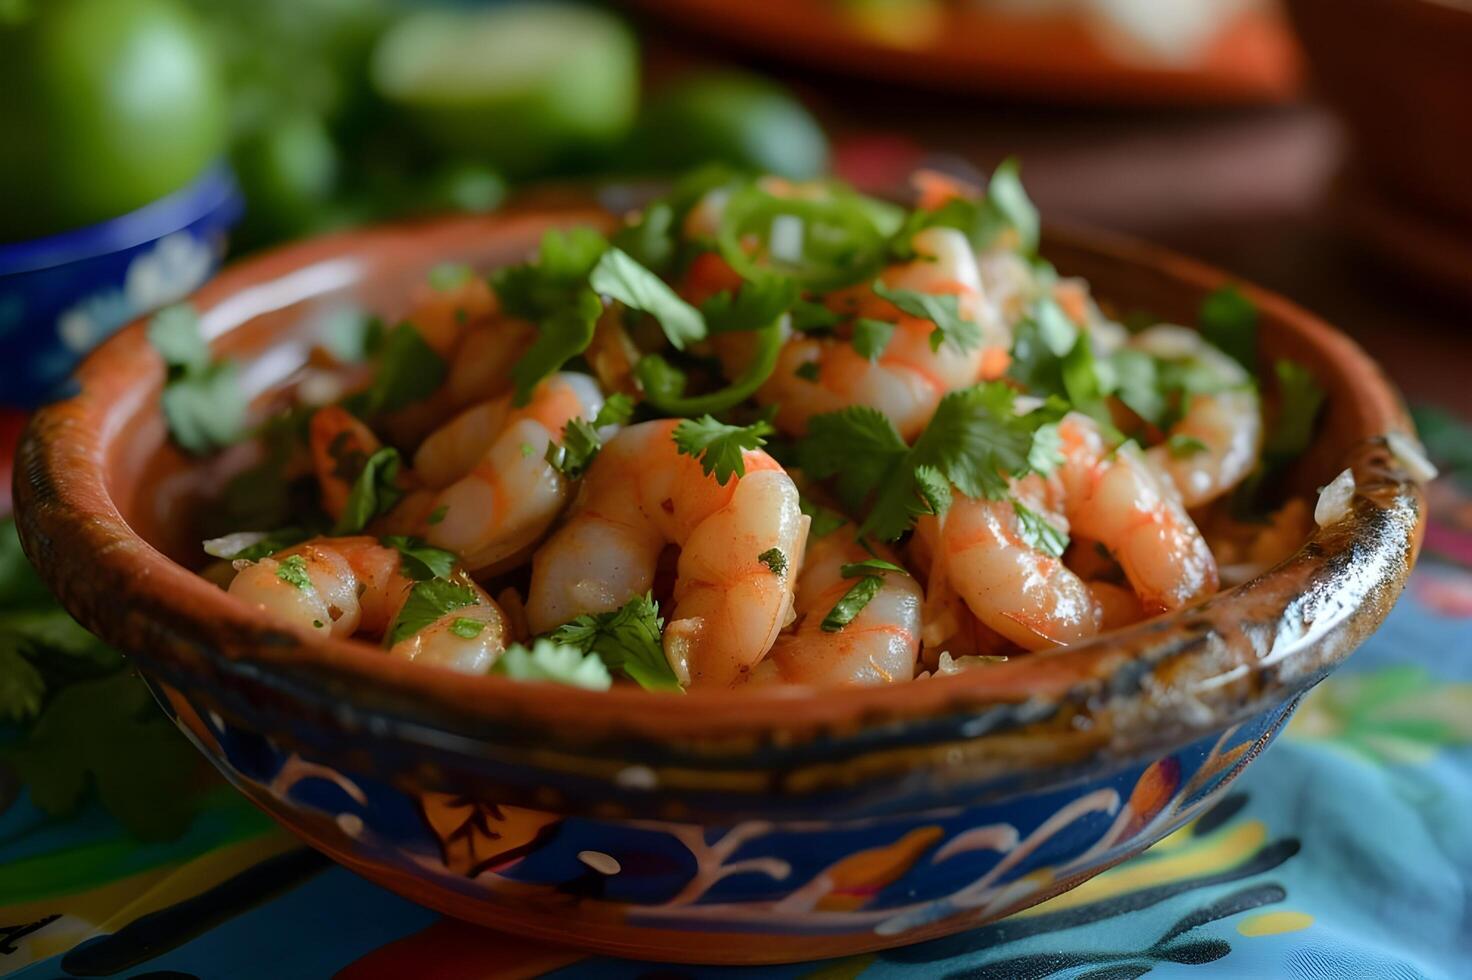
(668, 886)
(61, 296)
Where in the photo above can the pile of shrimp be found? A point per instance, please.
(748, 568)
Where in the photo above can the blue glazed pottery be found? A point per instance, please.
(60, 296)
(715, 826)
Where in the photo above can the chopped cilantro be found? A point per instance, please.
(527, 449)
(616, 410)
(807, 370)
(420, 561)
(852, 603)
(1038, 532)
(466, 628)
(427, 602)
(941, 310)
(974, 441)
(757, 304)
(774, 559)
(1137, 382)
(407, 371)
(871, 337)
(869, 566)
(620, 277)
(202, 398)
(627, 640)
(1005, 193)
(549, 661)
(437, 516)
(293, 571)
(449, 276)
(553, 291)
(1299, 399)
(720, 447)
(652, 240)
(1228, 320)
(1182, 446)
(809, 317)
(375, 491)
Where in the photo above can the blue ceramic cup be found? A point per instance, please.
(62, 295)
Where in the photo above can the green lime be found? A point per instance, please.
(523, 87)
(730, 118)
(288, 170)
(108, 105)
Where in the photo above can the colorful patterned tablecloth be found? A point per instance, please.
(1346, 851)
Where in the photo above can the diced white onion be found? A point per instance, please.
(785, 242)
(1409, 453)
(1334, 500)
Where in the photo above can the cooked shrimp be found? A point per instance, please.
(467, 640)
(907, 380)
(878, 646)
(1226, 425)
(640, 495)
(354, 586)
(1120, 500)
(1026, 595)
(496, 493)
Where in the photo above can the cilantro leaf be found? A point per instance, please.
(467, 628)
(174, 332)
(941, 310)
(871, 337)
(1039, 533)
(852, 603)
(202, 398)
(652, 240)
(869, 566)
(809, 317)
(549, 661)
(419, 561)
(617, 409)
(553, 291)
(858, 445)
(620, 277)
(407, 370)
(757, 304)
(976, 439)
(1182, 446)
(107, 733)
(1228, 320)
(293, 571)
(720, 447)
(580, 440)
(375, 491)
(1137, 382)
(427, 602)
(1299, 399)
(1005, 193)
(449, 276)
(627, 640)
(775, 560)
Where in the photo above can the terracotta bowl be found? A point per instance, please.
(714, 826)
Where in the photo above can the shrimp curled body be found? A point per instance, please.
(641, 495)
(880, 644)
(354, 586)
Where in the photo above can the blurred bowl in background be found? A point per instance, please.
(1399, 73)
(1133, 52)
(63, 294)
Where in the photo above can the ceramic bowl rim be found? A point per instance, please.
(69, 520)
(212, 190)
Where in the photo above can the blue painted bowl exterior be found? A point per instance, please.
(61, 296)
(834, 878)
